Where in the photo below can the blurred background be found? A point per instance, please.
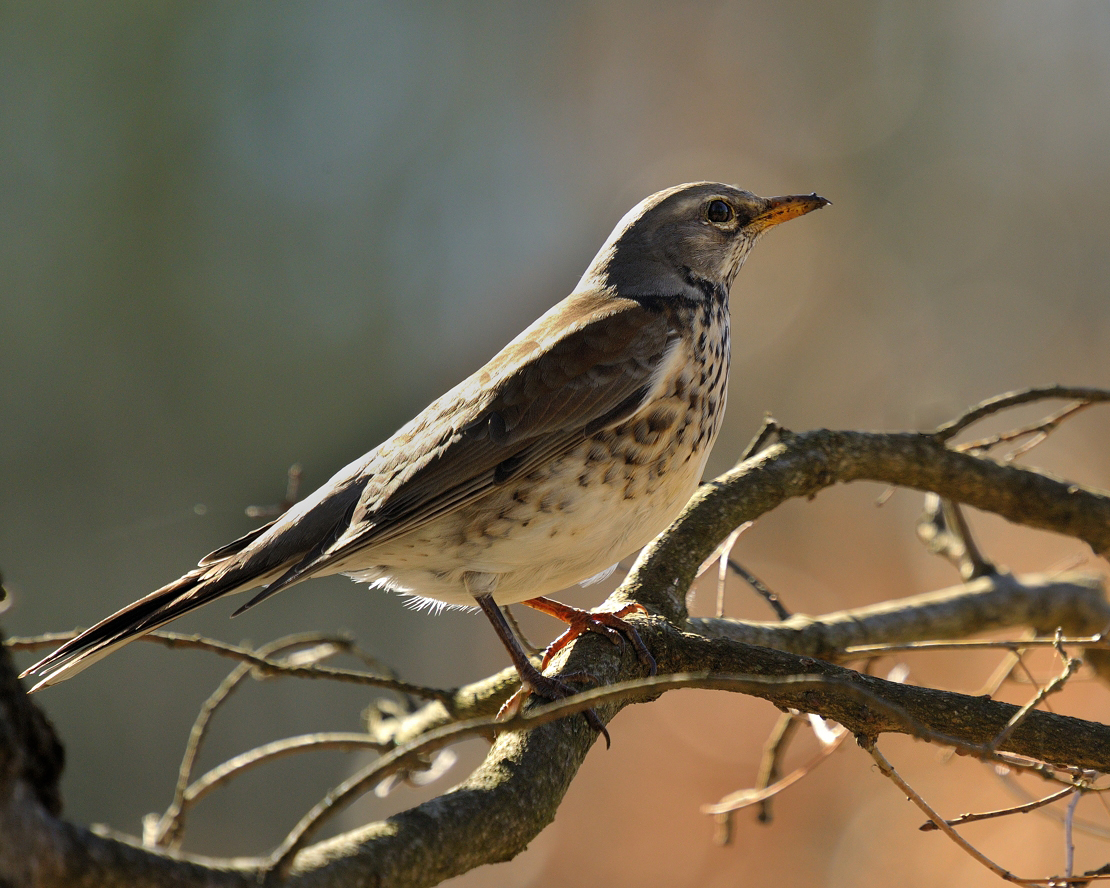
(241, 236)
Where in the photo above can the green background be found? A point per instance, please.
(237, 236)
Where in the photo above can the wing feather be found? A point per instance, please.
(542, 396)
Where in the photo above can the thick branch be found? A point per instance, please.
(515, 793)
(803, 465)
(1075, 603)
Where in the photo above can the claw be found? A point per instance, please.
(608, 624)
(553, 689)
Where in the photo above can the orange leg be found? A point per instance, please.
(532, 681)
(606, 623)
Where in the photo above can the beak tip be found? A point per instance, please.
(781, 209)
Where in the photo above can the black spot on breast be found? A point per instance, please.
(596, 453)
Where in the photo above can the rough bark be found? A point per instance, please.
(516, 791)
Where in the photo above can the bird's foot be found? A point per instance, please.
(609, 624)
(552, 689)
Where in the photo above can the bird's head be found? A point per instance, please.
(689, 240)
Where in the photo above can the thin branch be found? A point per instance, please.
(767, 432)
(944, 529)
(1047, 428)
(764, 591)
(1069, 844)
(1057, 684)
(1002, 812)
(745, 797)
(723, 562)
(972, 644)
(246, 655)
(1089, 827)
(168, 830)
(997, 404)
(770, 763)
(887, 770)
(260, 755)
(1039, 431)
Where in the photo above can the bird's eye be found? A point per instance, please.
(718, 212)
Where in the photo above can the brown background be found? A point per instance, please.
(237, 236)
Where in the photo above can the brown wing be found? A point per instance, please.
(544, 393)
(540, 397)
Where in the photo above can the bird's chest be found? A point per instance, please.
(603, 499)
(665, 444)
(623, 485)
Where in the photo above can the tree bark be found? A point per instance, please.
(516, 791)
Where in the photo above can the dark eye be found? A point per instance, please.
(718, 212)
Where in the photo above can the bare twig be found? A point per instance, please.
(169, 829)
(765, 591)
(1002, 812)
(949, 430)
(723, 565)
(1069, 844)
(1013, 786)
(767, 432)
(1097, 642)
(887, 770)
(1071, 664)
(746, 797)
(944, 529)
(770, 763)
(1038, 430)
(268, 752)
(251, 657)
(721, 556)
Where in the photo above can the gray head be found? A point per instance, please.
(689, 239)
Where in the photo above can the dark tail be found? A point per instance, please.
(281, 553)
(196, 589)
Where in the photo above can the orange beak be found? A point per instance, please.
(783, 209)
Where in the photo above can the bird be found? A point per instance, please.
(572, 448)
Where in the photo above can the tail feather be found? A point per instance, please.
(286, 551)
(196, 589)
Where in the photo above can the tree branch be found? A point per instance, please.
(516, 791)
(802, 465)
